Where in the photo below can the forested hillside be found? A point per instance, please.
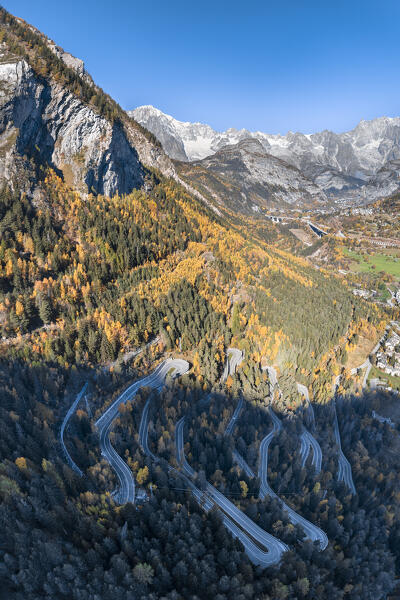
(86, 280)
(64, 537)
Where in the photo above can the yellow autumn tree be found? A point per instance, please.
(19, 308)
(142, 476)
(21, 463)
(244, 487)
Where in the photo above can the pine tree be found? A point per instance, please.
(45, 310)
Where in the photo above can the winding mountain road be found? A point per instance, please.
(273, 377)
(235, 417)
(239, 524)
(143, 431)
(180, 451)
(367, 363)
(313, 532)
(67, 417)
(133, 353)
(239, 460)
(234, 358)
(344, 470)
(204, 502)
(265, 489)
(230, 367)
(104, 424)
(308, 441)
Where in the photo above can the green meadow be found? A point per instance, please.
(374, 263)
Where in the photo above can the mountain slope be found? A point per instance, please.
(166, 130)
(47, 123)
(70, 255)
(73, 257)
(245, 177)
(384, 183)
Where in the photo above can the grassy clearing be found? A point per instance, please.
(392, 251)
(360, 352)
(374, 263)
(393, 382)
(384, 295)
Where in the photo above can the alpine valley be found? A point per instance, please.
(199, 349)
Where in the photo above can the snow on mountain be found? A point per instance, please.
(335, 162)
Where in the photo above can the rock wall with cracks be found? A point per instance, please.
(42, 120)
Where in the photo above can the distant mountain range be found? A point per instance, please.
(358, 165)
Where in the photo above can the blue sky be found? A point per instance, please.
(299, 65)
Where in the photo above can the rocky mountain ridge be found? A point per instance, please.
(42, 120)
(339, 164)
(245, 177)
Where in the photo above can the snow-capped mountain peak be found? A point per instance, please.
(366, 147)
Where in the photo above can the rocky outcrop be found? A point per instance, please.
(42, 121)
(385, 183)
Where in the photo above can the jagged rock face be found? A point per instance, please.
(43, 120)
(332, 181)
(164, 131)
(384, 183)
(71, 61)
(246, 176)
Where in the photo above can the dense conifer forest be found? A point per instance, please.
(64, 537)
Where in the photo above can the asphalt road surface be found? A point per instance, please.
(234, 358)
(235, 417)
(308, 441)
(273, 377)
(238, 458)
(67, 417)
(104, 424)
(313, 532)
(367, 364)
(239, 524)
(344, 471)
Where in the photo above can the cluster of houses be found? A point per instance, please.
(373, 294)
(360, 211)
(388, 356)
